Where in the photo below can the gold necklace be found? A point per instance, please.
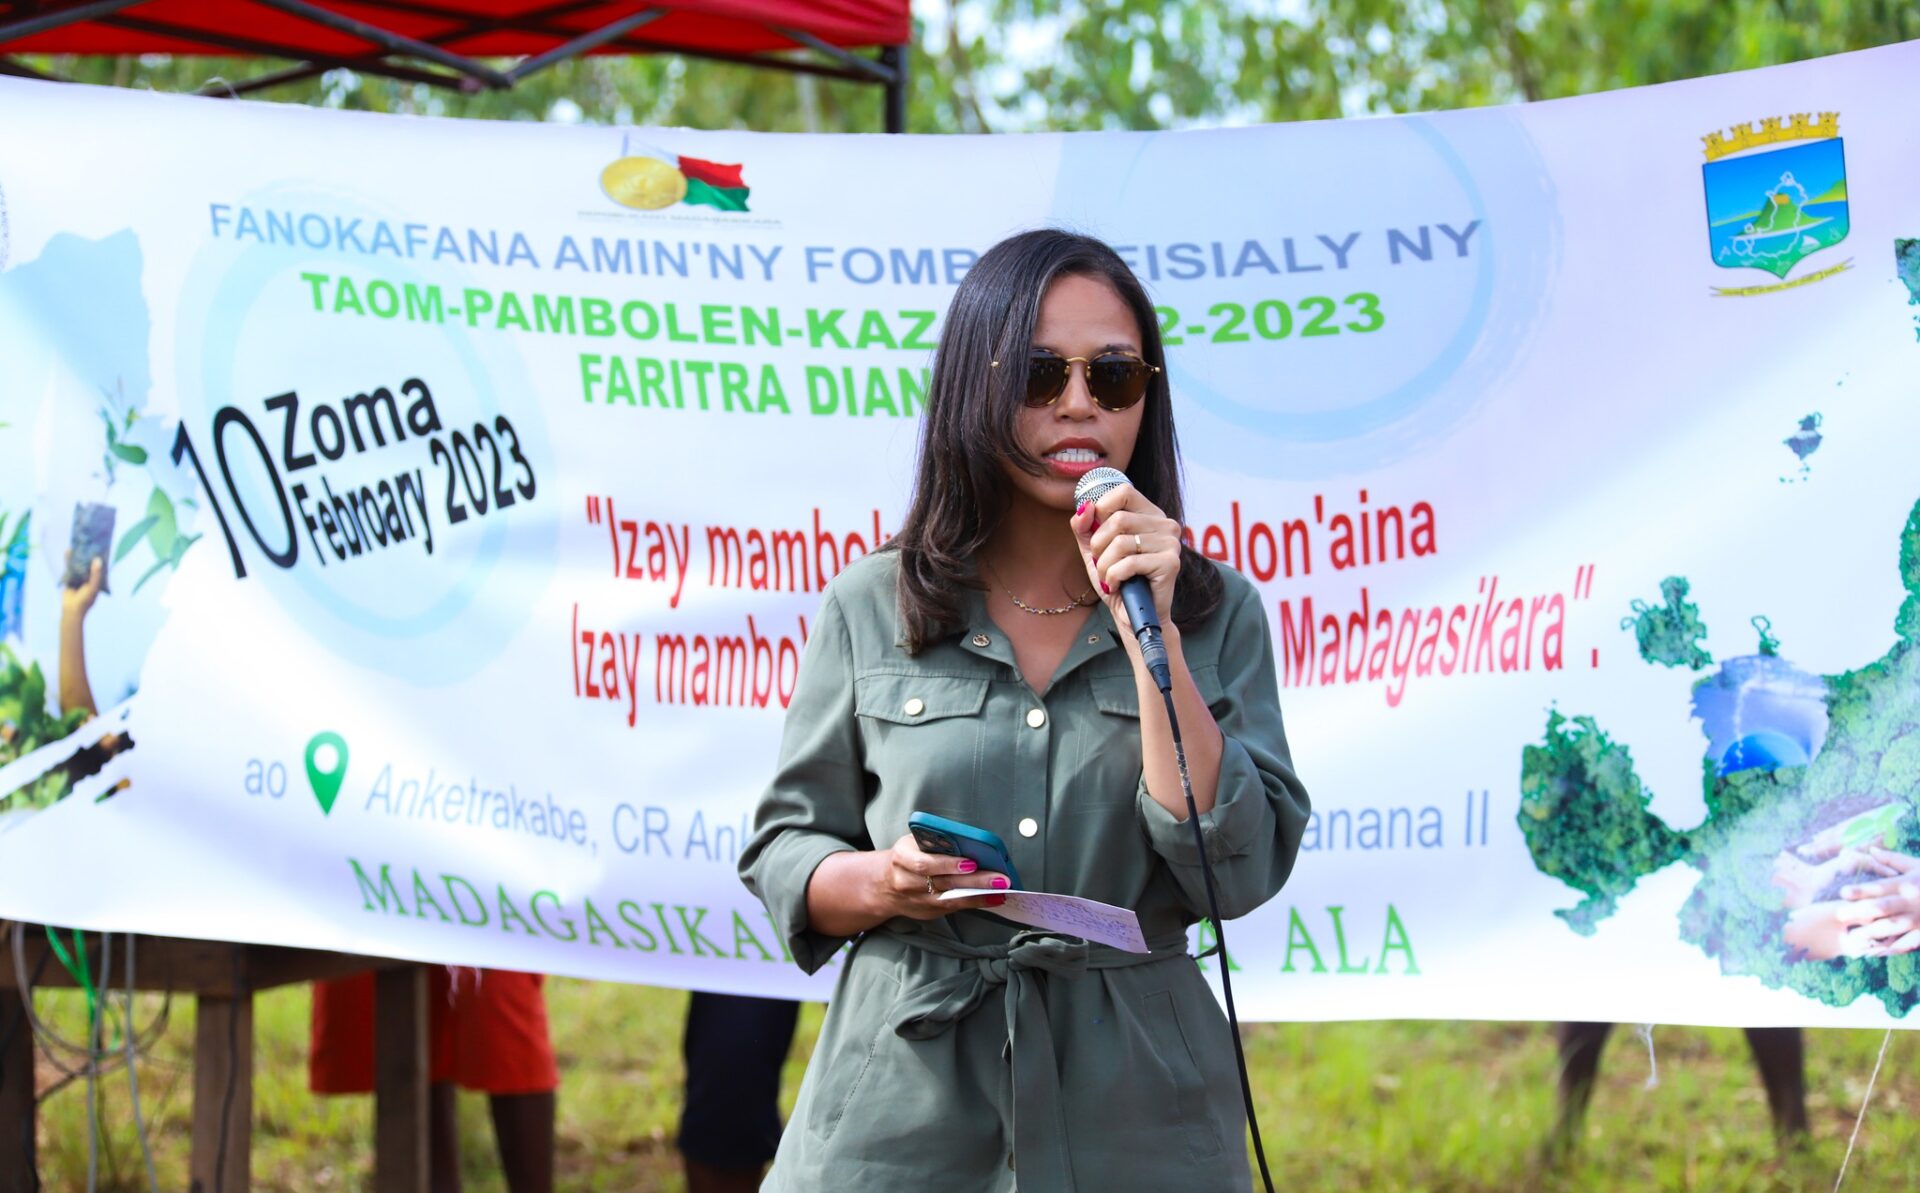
(1085, 598)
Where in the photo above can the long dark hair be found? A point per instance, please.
(968, 429)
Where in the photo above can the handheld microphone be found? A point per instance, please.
(1135, 593)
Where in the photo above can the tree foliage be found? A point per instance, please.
(1872, 756)
(1670, 633)
(1584, 815)
(26, 725)
(1020, 65)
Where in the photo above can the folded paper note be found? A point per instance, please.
(1090, 919)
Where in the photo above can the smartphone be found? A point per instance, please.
(937, 834)
(92, 539)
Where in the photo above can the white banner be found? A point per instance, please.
(463, 494)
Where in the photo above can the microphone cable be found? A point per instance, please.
(1145, 623)
(1219, 935)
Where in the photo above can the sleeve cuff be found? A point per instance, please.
(1229, 828)
(783, 876)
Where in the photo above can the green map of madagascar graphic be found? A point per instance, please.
(1798, 767)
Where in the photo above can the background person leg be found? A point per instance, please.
(1780, 1054)
(730, 1120)
(523, 1129)
(443, 1137)
(1580, 1046)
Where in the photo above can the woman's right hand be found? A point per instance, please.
(911, 881)
(852, 891)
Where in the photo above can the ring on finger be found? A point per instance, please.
(1137, 547)
(930, 889)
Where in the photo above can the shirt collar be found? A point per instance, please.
(984, 637)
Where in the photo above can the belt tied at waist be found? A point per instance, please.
(928, 1010)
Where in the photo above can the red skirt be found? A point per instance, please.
(487, 1031)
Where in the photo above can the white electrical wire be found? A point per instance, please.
(1864, 1103)
(51, 1040)
(97, 1060)
(48, 1038)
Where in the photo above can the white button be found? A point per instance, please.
(916, 706)
(1029, 827)
(1036, 718)
(981, 640)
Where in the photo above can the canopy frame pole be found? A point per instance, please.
(245, 45)
(585, 42)
(896, 58)
(790, 65)
(861, 69)
(313, 68)
(888, 69)
(29, 26)
(874, 71)
(472, 23)
(377, 64)
(393, 42)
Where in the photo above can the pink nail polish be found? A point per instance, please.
(1096, 523)
(1105, 589)
(968, 865)
(993, 900)
(1079, 509)
(999, 884)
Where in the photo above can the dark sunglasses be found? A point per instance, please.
(1115, 380)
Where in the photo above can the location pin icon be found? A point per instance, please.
(326, 767)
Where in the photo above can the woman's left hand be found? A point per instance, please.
(1124, 535)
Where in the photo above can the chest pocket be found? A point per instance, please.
(923, 735)
(1116, 693)
(1109, 766)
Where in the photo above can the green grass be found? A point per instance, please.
(1455, 1107)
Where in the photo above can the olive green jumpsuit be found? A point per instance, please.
(968, 1053)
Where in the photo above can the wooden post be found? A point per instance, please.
(16, 1095)
(223, 1094)
(400, 1080)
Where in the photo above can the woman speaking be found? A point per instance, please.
(979, 668)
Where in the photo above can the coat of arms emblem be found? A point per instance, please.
(1776, 194)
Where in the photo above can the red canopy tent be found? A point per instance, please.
(459, 43)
